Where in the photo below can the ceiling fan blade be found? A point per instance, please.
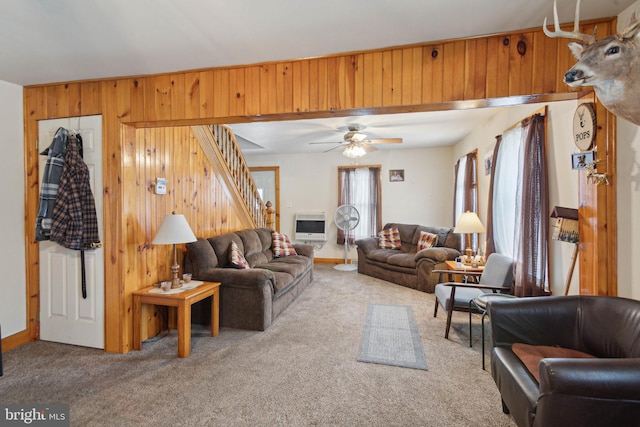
(334, 148)
(384, 141)
(328, 142)
(368, 148)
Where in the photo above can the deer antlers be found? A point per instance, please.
(575, 34)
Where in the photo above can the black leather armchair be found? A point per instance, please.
(600, 391)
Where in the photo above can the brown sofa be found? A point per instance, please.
(250, 298)
(406, 266)
(592, 374)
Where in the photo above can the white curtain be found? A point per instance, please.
(507, 187)
(361, 199)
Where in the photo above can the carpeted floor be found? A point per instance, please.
(302, 371)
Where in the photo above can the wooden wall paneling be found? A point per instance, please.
(359, 88)
(236, 92)
(75, 101)
(347, 67)
(314, 85)
(136, 93)
(90, 98)
(497, 84)
(31, 98)
(219, 93)
(406, 87)
(396, 77)
(387, 78)
(416, 75)
(207, 95)
(333, 97)
(300, 86)
(284, 88)
(252, 91)
(521, 64)
(378, 79)
(432, 74)
(178, 104)
(268, 89)
(367, 79)
(453, 77)
(191, 95)
(41, 102)
(545, 58)
(114, 138)
(475, 69)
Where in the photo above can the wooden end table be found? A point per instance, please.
(183, 301)
(458, 273)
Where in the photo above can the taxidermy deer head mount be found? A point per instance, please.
(610, 65)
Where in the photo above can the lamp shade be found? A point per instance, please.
(174, 229)
(469, 223)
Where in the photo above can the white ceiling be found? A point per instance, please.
(44, 41)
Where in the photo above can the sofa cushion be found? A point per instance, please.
(381, 255)
(201, 255)
(403, 260)
(389, 239)
(281, 245)
(427, 240)
(236, 257)
(531, 355)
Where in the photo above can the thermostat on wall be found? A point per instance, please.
(161, 186)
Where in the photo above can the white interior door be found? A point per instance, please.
(65, 316)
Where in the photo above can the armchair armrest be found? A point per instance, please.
(438, 254)
(596, 378)
(367, 245)
(476, 286)
(304, 250)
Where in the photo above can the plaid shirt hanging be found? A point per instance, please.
(75, 223)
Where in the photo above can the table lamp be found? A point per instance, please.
(173, 230)
(469, 223)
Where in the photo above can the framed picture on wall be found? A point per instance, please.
(582, 159)
(396, 175)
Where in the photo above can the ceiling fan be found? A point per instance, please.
(357, 144)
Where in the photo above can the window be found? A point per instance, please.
(360, 186)
(519, 204)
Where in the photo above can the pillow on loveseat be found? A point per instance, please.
(236, 257)
(389, 239)
(281, 245)
(427, 240)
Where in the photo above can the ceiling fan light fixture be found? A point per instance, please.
(354, 151)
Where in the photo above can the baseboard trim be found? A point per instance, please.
(333, 261)
(15, 340)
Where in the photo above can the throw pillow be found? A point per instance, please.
(281, 245)
(531, 355)
(389, 238)
(426, 240)
(236, 257)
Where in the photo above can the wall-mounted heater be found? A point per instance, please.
(311, 227)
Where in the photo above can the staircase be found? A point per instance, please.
(221, 148)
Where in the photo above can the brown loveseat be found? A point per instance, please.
(406, 266)
(250, 298)
(591, 376)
